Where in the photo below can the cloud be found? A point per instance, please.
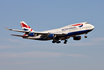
(11, 58)
(18, 62)
(5, 46)
(91, 42)
(13, 40)
(83, 44)
(100, 39)
(37, 54)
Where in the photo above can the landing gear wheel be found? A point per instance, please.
(85, 36)
(53, 41)
(58, 42)
(65, 41)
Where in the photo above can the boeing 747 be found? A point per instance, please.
(56, 35)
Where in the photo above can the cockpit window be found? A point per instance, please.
(87, 23)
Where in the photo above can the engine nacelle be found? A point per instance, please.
(31, 34)
(51, 36)
(77, 38)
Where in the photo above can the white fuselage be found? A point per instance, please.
(70, 30)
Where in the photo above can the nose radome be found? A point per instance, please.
(92, 27)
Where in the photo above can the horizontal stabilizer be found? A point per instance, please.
(17, 35)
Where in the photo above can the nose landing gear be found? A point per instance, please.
(85, 35)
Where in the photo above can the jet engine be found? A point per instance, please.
(31, 34)
(77, 38)
(51, 36)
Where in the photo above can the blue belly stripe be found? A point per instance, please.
(69, 34)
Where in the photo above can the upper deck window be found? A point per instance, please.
(87, 23)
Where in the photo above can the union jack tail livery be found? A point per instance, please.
(26, 27)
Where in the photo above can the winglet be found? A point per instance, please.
(8, 28)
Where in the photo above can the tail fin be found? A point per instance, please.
(26, 27)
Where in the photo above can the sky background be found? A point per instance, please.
(22, 54)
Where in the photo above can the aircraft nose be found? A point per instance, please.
(92, 26)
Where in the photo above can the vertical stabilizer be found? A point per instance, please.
(26, 27)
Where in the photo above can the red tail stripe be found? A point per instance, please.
(31, 30)
(28, 27)
(23, 25)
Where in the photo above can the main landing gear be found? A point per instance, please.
(65, 41)
(57, 41)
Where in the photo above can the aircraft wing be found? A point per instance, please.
(38, 33)
(16, 30)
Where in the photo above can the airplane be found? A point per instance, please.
(56, 35)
